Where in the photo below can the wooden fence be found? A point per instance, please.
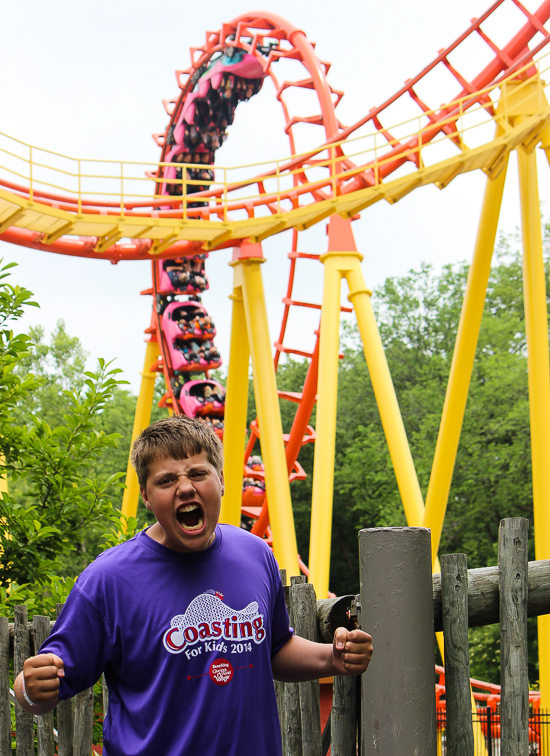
(68, 731)
(457, 598)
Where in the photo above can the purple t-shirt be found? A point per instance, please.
(185, 641)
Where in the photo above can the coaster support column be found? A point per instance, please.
(536, 326)
(249, 276)
(384, 391)
(235, 412)
(325, 426)
(463, 361)
(141, 421)
(346, 264)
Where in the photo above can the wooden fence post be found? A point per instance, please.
(23, 721)
(5, 714)
(305, 625)
(343, 740)
(293, 722)
(83, 722)
(346, 699)
(454, 607)
(280, 690)
(514, 703)
(104, 696)
(398, 702)
(44, 726)
(65, 719)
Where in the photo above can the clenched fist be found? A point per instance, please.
(40, 681)
(351, 651)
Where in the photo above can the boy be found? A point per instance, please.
(187, 620)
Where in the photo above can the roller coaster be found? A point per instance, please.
(183, 208)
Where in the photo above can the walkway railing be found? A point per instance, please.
(84, 185)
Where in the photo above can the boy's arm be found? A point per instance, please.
(300, 660)
(40, 678)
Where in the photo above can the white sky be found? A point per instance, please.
(88, 78)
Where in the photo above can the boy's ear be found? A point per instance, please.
(143, 493)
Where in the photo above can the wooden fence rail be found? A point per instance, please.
(484, 594)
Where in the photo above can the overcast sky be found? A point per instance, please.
(88, 78)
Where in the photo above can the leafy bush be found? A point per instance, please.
(56, 492)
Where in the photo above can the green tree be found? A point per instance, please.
(59, 361)
(60, 365)
(53, 497)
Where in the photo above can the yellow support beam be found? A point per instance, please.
(386, 399)
(338, 264)
(11, 220)
(235, 412)
(536, 326)
(141, 421)
(545, 142)
(327, 393)
(249, 276)
(463, 362)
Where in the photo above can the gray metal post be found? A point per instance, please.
(398, 702)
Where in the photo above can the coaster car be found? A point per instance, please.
(214, 423)
(187, 321)
(253, 491)
(198, 162)
(203, 398)
(189, 357)
(178, 275)
(232, 77)
(200, 128)
(255, 463)
(253, 482)
(194, 354)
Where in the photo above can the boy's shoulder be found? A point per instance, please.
(246, 543)
(112, 559)
(240, 534)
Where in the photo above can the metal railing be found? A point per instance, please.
(488, 719)
(83, 185)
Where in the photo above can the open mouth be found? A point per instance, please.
(190, 517)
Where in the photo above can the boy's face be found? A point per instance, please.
(185, 497)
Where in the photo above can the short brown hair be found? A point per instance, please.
(176, 437)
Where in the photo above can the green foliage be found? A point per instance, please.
(39, 599)
(13, 388)
(484, 645)
(51, 441)
(60, 499)
(126, 528)
(59, 365)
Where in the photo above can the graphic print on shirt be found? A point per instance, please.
(211, 625)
